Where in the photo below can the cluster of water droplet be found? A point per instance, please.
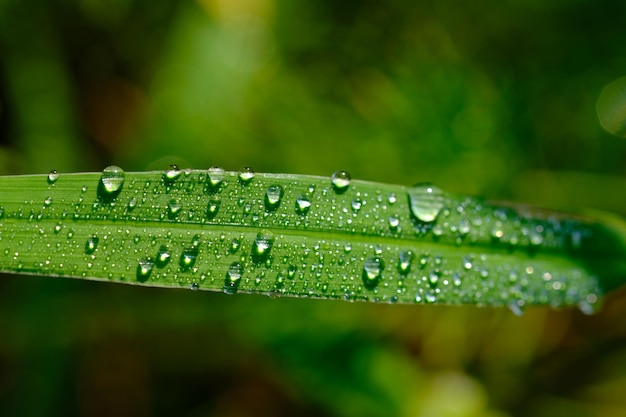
(294, 236)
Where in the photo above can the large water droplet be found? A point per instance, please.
(404, 261)
(144, 269)
(188, 258)
(273, 195)
(215, 177)
(233, 278)
(262, 246)
(163, 256)
(53, 176)
(212, 208)
(340, 181)
(171, 174)
(426, 201)
(246, 175)
(111, 182)
(303, 204)
(372, 271)
(91, 245)
(173, 209)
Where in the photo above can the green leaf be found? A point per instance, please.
(304, 236)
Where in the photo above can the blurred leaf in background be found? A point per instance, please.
(492, 98)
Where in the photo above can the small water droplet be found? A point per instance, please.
(340, 181)
(132, 203)
(291, 271)
(234, 245)
(518, 307)
(303, 204)
(111, 182)
(47, 201)
(173, 209)
(188, 258)
(163, 256)
(426, 201)
(144, 269)
(212, 208)
(57, 228)
(262, 246)
(233, 278)
(91, 245)
(372, 271)
(404, 261)
(53, 176)
(246, 175)
(171, 174)
(356, 205)
(273, 195)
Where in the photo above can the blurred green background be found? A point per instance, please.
(494, 97)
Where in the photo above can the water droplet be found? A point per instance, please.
(291, 271)
(261, 246)
(303, 204)
(111, 182)
(47, 201)
(517, 307)
(394, 222)
(356, 205)
(234, 245)
(57, 228)
(216, 176)
(53, 176)
(246, 175)
(404, 261)
(340, 181)
(163, 256)
(132, 203)
(589, 305)
(372, 271)
(194, 286)
(144, 269)
(233, 278)
(212, 208)
(391, 198)
(91, 245)
(426, 201)
(171, 174)
(433, 278)
(188, 258)
(273, 194)
(173, 209)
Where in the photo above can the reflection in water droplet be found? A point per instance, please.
(372, 271)
(233, 278)
(53, 176)
(163, 256)
(340, 181)
(273, 194)
(91, 245)
(426, 201)
(261, 246)
(246, 175)
(144, 269)
(303, 204)
(111, 181)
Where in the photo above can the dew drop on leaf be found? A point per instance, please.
(53, 176)
(303, 204)
(273, 195)
(111, 181)
(144, 269)
(188, 258)
(426, 202)
(173, 209)
(246, 175)
(372, 271)
(340, 181)
(215, 176)
(163, 256)
(404, 261)
(91, 245)
(171, 174)
(261, 246)
(233, 278)
(212, 208)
